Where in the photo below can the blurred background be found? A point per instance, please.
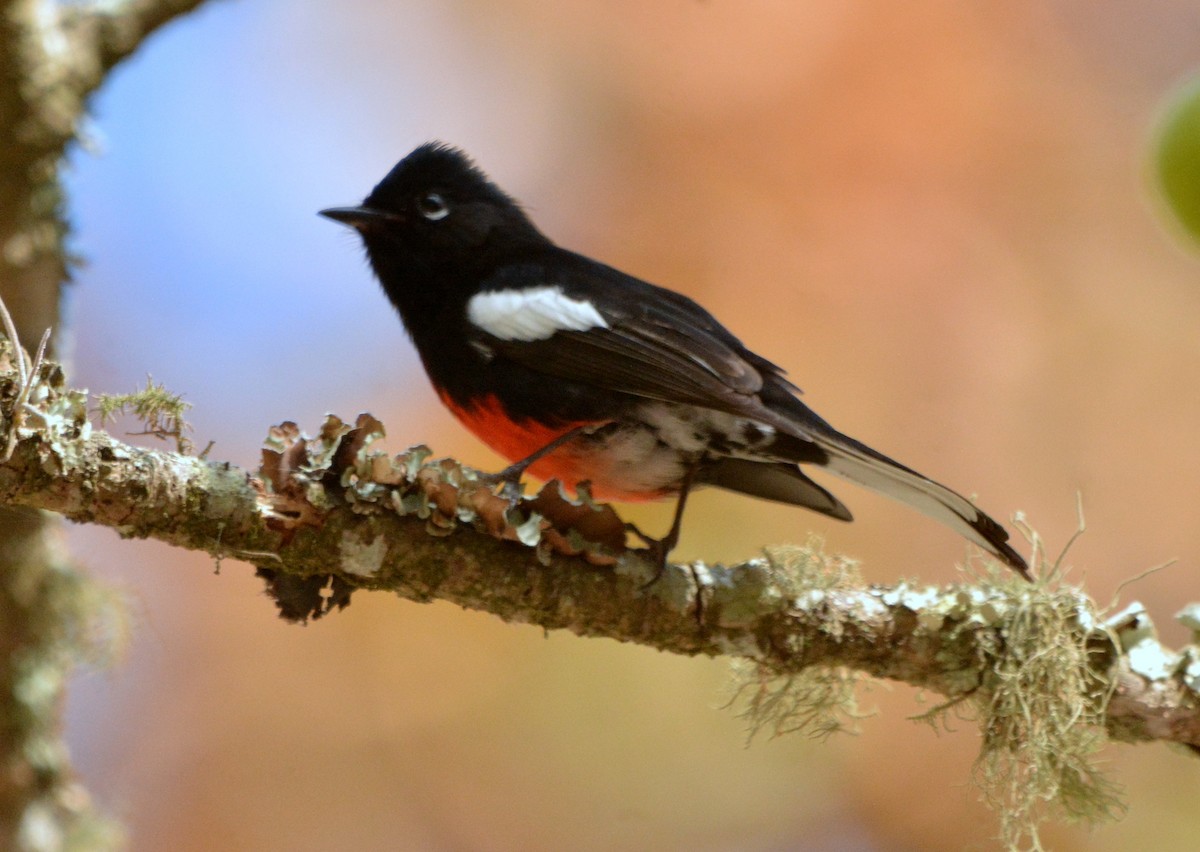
(937, 216)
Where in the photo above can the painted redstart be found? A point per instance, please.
(576, 371)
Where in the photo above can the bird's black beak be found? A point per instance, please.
(359, 217)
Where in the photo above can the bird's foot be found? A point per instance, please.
(508, 480)
(658, 550)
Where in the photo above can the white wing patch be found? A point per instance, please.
(534, 313)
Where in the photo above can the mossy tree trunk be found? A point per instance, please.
(51, 60)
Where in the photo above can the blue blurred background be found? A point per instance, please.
(935, 216)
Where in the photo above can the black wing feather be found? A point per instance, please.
(662, 345)
(659, 344)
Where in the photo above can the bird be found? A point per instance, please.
(576, 371)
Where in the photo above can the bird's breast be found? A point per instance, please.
(643, 455)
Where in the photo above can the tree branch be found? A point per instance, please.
(103, 36)
(331, 506)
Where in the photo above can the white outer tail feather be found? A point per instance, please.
(899, 483)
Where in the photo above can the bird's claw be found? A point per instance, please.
(658, 549)
(509, 481)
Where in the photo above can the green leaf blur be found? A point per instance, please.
(1177, 156)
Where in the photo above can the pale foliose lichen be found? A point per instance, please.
(1139, 639)
(1189, 667)
(362, 559)
(528, 530)
(1189, 617)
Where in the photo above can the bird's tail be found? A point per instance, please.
(858, 463)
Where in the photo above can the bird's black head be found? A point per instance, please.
(436, 210)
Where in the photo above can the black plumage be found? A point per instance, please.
(526, 342)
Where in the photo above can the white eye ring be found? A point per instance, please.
(432, 206)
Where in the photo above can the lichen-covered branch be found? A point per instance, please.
(332, 506)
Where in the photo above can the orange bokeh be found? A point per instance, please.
(934, 215)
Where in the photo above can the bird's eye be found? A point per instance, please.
(432, 206)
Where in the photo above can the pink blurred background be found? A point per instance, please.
(937, 216)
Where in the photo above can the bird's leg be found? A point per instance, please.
(661, 548)
(510, 477)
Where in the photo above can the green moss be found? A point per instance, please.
(159, 410)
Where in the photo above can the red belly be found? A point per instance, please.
(571, 464)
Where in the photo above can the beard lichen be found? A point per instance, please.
(820, 700)
(1042, 708)
(817, 702)
(1039, 689)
